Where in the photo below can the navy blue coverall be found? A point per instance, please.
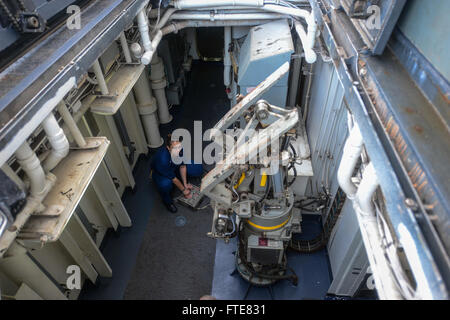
(164, 171)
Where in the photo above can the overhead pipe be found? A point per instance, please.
(30, 163)
(310, 55)
(165, 18)
(145, 37)
(350, 155)
(213, 16)
(58, 141)
(190, 4)
(174, 27)
(308, 39)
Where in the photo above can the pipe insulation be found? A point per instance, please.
(58, 141)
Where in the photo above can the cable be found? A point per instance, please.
(292, 165)
(321, 240)
(11, 17)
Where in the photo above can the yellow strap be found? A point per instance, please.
(268, 228)
(240, 180)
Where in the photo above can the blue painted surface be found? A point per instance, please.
(313, 272)
(426, 25)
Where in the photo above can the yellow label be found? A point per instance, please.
(263, 180)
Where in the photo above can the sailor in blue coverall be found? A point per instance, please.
(165, 173)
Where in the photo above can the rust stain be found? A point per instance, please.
(444, 95)
(415, 172)
(422, 185)
(418, 129)
(410, 110)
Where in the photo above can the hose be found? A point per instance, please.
(319, 242)
(292, 165)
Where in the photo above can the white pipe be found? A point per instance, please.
(165, 18)
(100, 78)
(145, 37)
(125, 49)
(58, 141)
(143, 30)
(71, 124)
(226, 57)
(159, 84)
(177, 26)
(30, 164)
(189, 4)
(310, 55)
(350, 155)
(289, 11)
(367, 187)
(146, 104)
(163, 108)
(308, 39)
(213, 16)
(148, 55)
(384, 279)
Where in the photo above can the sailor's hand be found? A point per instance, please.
(189, 186)
(187, 193)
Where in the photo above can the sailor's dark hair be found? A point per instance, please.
(169, 140)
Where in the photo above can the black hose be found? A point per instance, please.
(295, 174)
(319, 242)
(293, 150)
